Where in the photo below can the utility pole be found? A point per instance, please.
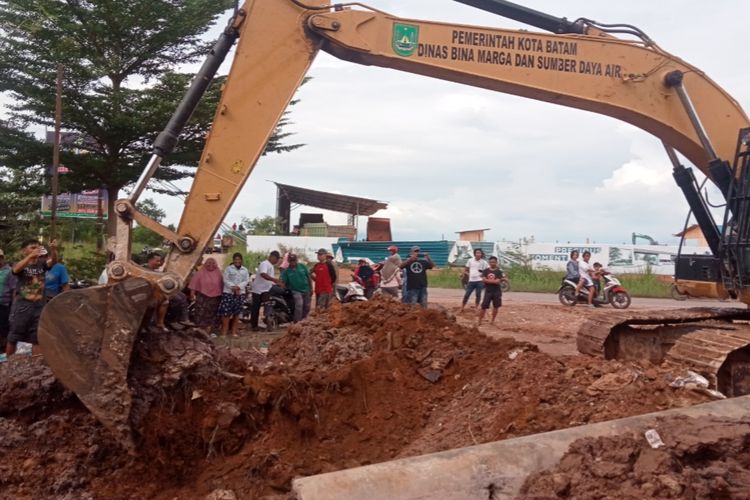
(99, 220)
(56, 152)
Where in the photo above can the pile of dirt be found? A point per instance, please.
(347, 334)
(51, 446)
(364, 383)
(702, 458)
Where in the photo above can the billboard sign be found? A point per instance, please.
(83, 205)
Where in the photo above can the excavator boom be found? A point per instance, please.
(586, 67)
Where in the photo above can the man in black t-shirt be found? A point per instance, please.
(416, 276)
(29, 301)
(493, 294)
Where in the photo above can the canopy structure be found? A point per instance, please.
(354, 206)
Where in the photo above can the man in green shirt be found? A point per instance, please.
(297, 278)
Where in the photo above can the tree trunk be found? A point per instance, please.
(112, 193)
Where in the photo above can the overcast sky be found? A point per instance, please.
(448, 157)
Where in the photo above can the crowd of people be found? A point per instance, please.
(222, 295)
(218, 296)
(396, 277)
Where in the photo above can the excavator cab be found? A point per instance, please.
(728, 266)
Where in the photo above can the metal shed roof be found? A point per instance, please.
(329, 201)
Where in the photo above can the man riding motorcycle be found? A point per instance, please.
(586, 271)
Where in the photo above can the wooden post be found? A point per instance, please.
(56, 152)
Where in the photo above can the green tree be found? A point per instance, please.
(104, 47)
(120, 87)
(144, 235)
(261, 225)
(21, 187)
(151, 209)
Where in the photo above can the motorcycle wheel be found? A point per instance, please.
(567, 296)
(245, 313)
(271, 323)
(676, 294)
(505, 286)
(620, 300)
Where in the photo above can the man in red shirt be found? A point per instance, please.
(324, 276)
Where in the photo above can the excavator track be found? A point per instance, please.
(714, 342)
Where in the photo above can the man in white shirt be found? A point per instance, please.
(585, 269)
(264, 280)
(474, 269)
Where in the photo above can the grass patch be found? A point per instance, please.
(524, 279)
(647, 285)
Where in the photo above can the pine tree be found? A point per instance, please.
(21, 187)
(120, 84)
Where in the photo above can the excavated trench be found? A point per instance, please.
(361, 384)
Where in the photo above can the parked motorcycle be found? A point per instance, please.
(352, 292)
(278, 308)
(612, 292)
(247, 305)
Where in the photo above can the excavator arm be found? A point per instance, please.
(628, 80)
(632, 80)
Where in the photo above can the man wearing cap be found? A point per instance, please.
(7, 285)
(297, 278)
(416, 276)
(390, 273)
(324, 276)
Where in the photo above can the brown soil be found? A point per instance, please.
(365, 383)
(704, 458)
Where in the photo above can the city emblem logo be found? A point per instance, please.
(405, 39)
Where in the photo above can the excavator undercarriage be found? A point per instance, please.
(709, 341)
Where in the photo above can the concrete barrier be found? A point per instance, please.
(492, 470)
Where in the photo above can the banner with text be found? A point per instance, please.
(83, 205)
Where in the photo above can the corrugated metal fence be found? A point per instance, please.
(377, 251)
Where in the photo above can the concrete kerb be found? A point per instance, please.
(474, 472)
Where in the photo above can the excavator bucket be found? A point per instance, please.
(86, 337)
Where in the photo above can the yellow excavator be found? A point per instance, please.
(612, 69)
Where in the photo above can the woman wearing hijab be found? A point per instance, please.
(205, 289)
